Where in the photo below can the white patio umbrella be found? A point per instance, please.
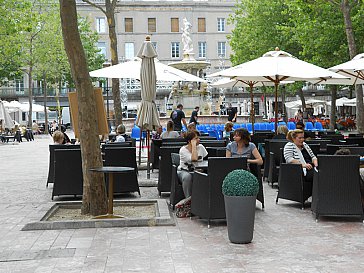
(354, 69)
(148, 117)
(131, 70)
(13, 106)
(5, 119)
(277, 66)
(24, 107)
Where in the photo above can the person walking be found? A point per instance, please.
(194, 115)
(232, 113)
(178, 117)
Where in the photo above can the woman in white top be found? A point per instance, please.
(298, 152)
(189, 153)
(169, 133)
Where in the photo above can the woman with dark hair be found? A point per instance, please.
(189, 153)
(241, 146)
(66, 139)
(298, 152)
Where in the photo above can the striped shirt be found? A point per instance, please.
(291, 152)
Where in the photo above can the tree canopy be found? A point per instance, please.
(313, 31)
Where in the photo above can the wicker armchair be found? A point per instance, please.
(68, 177)
(207, 200)
(125, 157)
(336, 187)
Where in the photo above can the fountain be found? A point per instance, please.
(191, 94)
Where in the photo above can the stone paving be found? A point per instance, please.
(286, 238)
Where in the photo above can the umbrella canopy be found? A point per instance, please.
(131, 70)
(148, 117)
(13, 106)
(352, 69)
(298, 103)
(277, 66)
(24, 107)
(5, 119)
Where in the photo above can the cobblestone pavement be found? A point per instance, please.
(286, 238)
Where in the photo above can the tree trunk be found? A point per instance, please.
(30, 98)
(59, 110)
(300, 94)
(110, 15)
(45, 104)
(345, 8)
(359, 108)
(333, 108)
(94, 194)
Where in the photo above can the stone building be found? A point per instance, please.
(163, 21)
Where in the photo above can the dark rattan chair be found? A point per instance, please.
(68, 178)
(275, 159)
(176, 187)
(52, 147)
(336, 187)
(123, 157)
(165, 168)
(207, 200)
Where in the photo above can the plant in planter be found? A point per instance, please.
(240, 189)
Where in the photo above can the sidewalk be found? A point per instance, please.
(286, 238)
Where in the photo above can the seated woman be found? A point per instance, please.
(120, 131)
(66, 139)
(228, 129)
(170, 133)
(58, 137)
(189, 153)
(158, 132)
(282, 131)
(298, 152)
(241, 146)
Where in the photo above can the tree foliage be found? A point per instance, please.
(313, 31)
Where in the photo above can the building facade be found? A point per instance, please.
(162, 20)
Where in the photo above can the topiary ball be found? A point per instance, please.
(240, 183)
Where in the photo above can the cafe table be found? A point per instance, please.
(110, 171)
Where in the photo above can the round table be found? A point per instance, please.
(110, 171)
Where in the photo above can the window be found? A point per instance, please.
(152, 22)
(102, 47)
(221, 49)
(128, 24)
(220, 24)
(129, 51)
(100, 25)
(201, 25)
(175, 50)
(202, 49)
(174, 25)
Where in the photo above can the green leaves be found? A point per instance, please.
(310, 30)
(240, 183)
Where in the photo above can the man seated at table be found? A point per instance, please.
(189, 153)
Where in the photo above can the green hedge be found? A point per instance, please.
(240, 183)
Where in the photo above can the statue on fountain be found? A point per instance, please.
(186, 39)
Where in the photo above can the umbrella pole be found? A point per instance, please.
(148, 160)
(275, 106)
(140, 146)
(251, 107)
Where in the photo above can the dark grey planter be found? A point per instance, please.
(240, 215)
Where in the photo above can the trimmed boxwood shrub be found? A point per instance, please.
(240, 183)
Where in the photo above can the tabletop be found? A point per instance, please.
(112, 169)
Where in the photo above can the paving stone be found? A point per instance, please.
(286, 238)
